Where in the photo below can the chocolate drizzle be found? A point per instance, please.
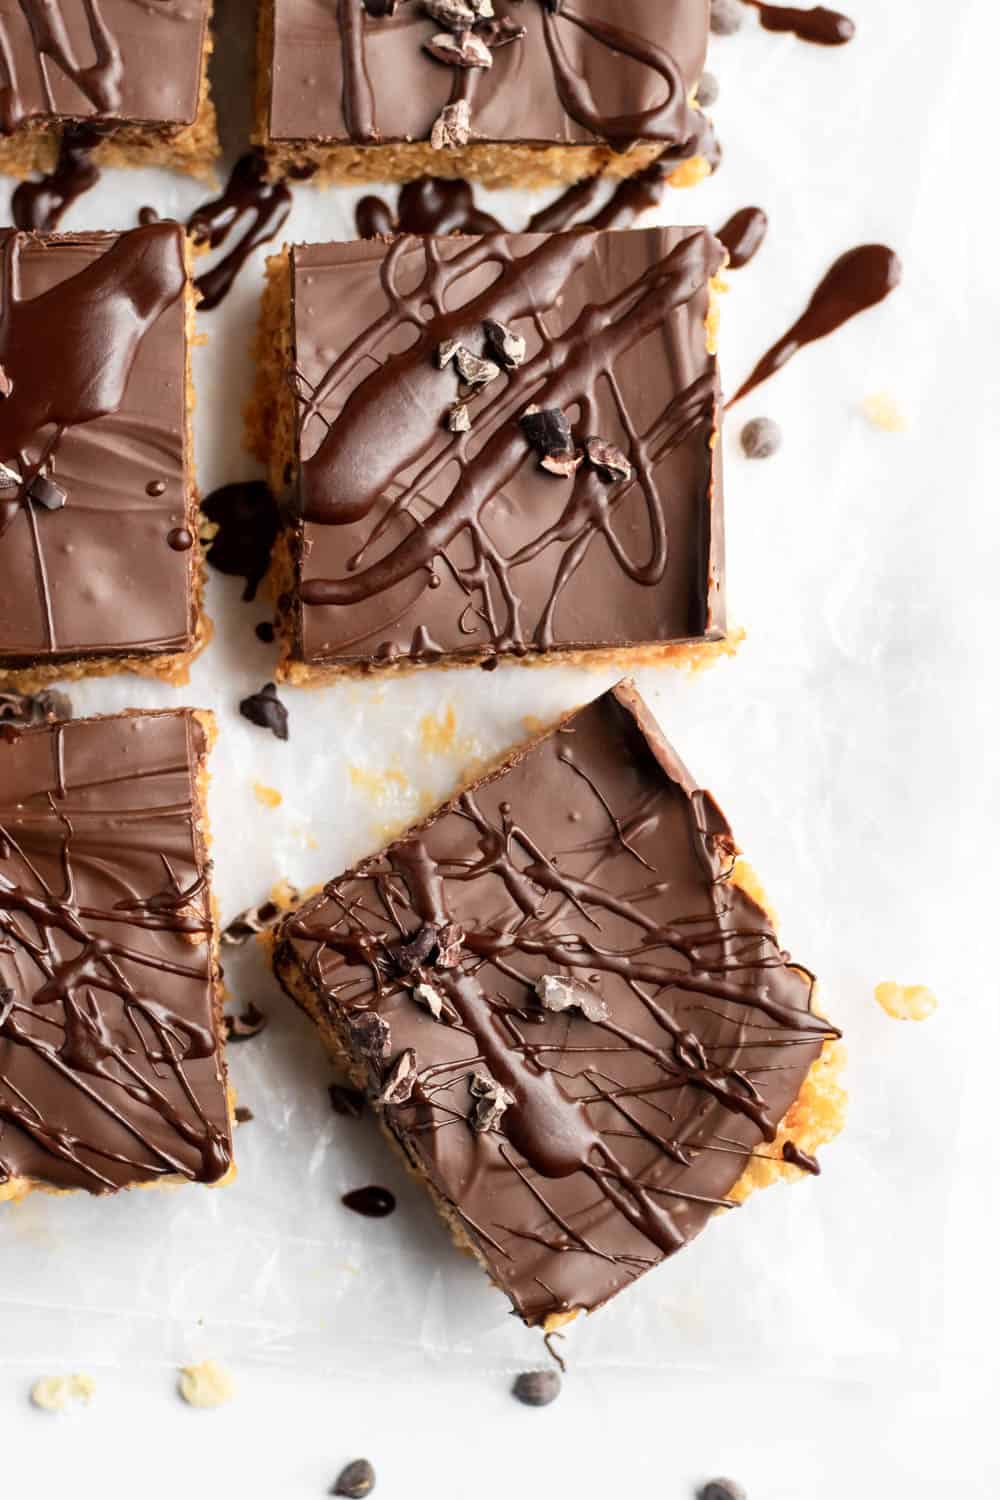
(99, 81)
(248, 192)
(860, 279)
(109, 1063)
(817, 24)
(367, 475)
(743, 235)
(41, 203)
(594, 857)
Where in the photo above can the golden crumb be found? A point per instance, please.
(268, 796)
(883, 412)
(906, 1002)
(54, 1392)
(284, 894)
(205, 1385)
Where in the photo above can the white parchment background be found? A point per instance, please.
(846, 1327)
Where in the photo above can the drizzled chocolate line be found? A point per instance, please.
(247, 195)
(595, 856)
(39, 204)
(817, 24)
(379, 444)
(99, 81)
(109, 1066)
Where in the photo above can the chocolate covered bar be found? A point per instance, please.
(126, 79)
(111, 1067)
(567, 1001)
(493, 447)
(100, 570)
(517, 93)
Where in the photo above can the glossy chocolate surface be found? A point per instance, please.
(93, 445)
(110, 1067)
(582, 72)
(414, 541)
(579, 1146)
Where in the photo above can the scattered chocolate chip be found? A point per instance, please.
(455, 14)
(726, 16)
(707, 91)
(47, 493)
(463, 49)
(356, 1481)
(722, 1489)
(370, 1202)
(537, 1387)
(563, 464)
(473, 370)
(266, 710)
(397, 1086)
(609, 461)
(459, 419)
(34, 708)
(346, 1101)
(547, 430)
(370, 1035)
(446, 352)
(450, 940)
(241, 1028)
(761, 438)
(500, 33)
(491, 1100)
(243, 1115)
(509, 347)
(6, 384)
(453, 126)
(557, 993)
(264, 632)
(255, 919)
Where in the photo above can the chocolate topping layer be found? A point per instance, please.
(134, 61)
(561, 72)
(93, 446)
(617, 1028)
(418, 541)
(110, 1068)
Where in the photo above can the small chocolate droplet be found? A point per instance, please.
(761, 438)
(537, 1387)
(722, 1489)
(370, 1202)
(156, 487)
(355, 1481)
(180, 539)
(264, 632)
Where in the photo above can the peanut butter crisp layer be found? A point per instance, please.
(574, 1017)
(514, 91)
(111, 1069)
(497, 446)
(98, 509)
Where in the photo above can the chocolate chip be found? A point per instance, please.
(547, 430)
(241, 1028)
(370, 1035)
(46, 492)
(356, 1481)
(563, 464)
(243, 1115)
(453, 126)
(707, 91)
(537, 1387)
(491, 1100)
(473, 370)
(726, 16)
(452, 13)
(609, 461)
(255, 919)
(557, 993)
(761, 438)
(459, 419)
(464, 49)
(34, 708)
(346, 1101)
(397, 1086)
(722, 1489)
(509, 346)
(266, 710)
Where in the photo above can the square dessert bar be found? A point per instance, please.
(514, 92)
(571, 1009)
(99, 567)
(497, 447)
(128, 79)
(111, 1066)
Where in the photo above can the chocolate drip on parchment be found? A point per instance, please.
(596, 859)
(248, 195)
(743, 234)
(816, 24)
(109, 1063)
(860, 279)
(40, 203)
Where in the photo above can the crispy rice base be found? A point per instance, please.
(270, 435)
(817, 1116)
(17, 1188)
(172, 666)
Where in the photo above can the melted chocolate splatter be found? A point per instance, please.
(743, 235)
(248, 192)
(247, 517)
(823, 27)
(860, 279)
(266, 710)
(791, 1153)
(370, 1202)
(40, 203)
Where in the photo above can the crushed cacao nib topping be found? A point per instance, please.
(609, 461)
(412, 955)
(509, 347)
(491, 1101)
(450, 940)
(346, 1101)
(462, 49)
(370, 1035)
(459, 419)
(455, 14)
(34, 708)
(266, 710)
(557, 993)
(537, 1387)
(431, 999)
(501, 33)
(453, 126)
(397, 1086)
(564, 465)
(473, 370)
(241, 1028)
(47, 493)
(446, 352)
(547, 429)
(255, 919)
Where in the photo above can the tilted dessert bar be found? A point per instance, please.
(494, 447)
(513, 92)
(126, 78)
(111, 1067)
(565, 998)
(100, 570)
